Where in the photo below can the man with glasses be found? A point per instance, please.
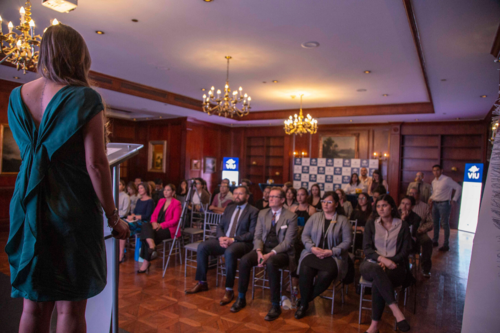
(273, 248)
(235, 234)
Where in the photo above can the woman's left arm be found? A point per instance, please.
(176, 216)
(149, 210)
(346, 239)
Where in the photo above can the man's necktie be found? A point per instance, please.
(418, 191)
(273, 221)
(235, 223)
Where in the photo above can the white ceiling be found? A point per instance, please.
(180, 46)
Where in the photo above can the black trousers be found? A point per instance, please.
(231, 255)
(325, 271)
(425, 242)
(156, 235)
(383, 284)
(273, 265)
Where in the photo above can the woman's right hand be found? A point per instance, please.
(121, 230)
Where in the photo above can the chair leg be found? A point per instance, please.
(163, 264)
(185, 263)
(342, 292)
(362, 287)
(217, 272)
(333, 297)
(253, 282)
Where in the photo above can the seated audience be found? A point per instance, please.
(362, 214)
(138, 181)
(376, 193)
(133, 195)
(354, 186)
(327, 238)
(234, 239)
(291, 198)
(287, 185)
(221, 200)
(386, 244)
(164, 222)
(152, 187)
(344, 203)
(140, 215)
(377, 181)
(217, 189)
(182, 191)
(424, 242)
(247, 183)
(123, 200)
(424, 189)
(264, 202)
(200, 196)
(315, 197)
(157, 193)
(365, 179)
(273, 248)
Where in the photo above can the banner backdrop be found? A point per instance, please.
(329, 173)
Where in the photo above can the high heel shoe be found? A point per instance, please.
(144, 271)
(403, 325)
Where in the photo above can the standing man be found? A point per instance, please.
(442, 189)
(234, 239)
(364, 179)
(273, 248)
(221, 200)
(426, 225)
(424, 189)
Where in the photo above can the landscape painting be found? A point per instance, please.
(333, 146)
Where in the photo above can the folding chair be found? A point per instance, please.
(260, 276)
(211, 221)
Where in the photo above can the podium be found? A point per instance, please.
(102, 310)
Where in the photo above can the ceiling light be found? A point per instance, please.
(99, 32)
(350, 120)
(135, 20)
(202, 89)
(483, 96)
(361, 90)
(385, 95)
(275, 81)
(16, 77)
(310, 45)
(208, 0)
(416, 119)
(367, 72)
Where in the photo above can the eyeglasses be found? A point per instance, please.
(361, 198)
(327, 202)
(274, 197)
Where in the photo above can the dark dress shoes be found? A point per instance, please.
(197, 288)
(228, 297)
(435, 244)
(238, 305)
(403, 325)
(444, 248)
(301, 311)
(274, 313)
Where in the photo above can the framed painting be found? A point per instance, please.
(339, 146)
(195, 165)
(10, 155)
(157, 153)
(210, 164)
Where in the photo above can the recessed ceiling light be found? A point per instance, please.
(16, 77)
(310, 45)
(160, 117)
(443, 80)
(416, 119)
(350, 120)
(361, 90)
(385, 95)
(458, 118)
(135, 20)
(367, 72)
(202, 89)
(275, 81)
(483, 96)
(99, 32)
(264, 82)
(208, 0)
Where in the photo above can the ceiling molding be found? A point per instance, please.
(345, 111)
(410, 14)
(495, 48)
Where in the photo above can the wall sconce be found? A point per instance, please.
(381, 157)
(494, 128)
(302, 153)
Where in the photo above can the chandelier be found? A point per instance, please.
(300, 124)
(226, 105)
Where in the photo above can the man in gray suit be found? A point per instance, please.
(273, 248)
(423, 189)
(234, 239)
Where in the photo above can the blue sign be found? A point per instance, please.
(312, 178)
(346, 179)
(355, 170)
(473, 172)
(321, 170)
(347, 162)
(328, 179)
(329, 162)
(314, 161)
(337, 171)
(304, 184)
(298, 161)
(305, 169)
(230, 164)
(297, 177)
(365, 163)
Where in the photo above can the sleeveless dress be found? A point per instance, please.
(56, 243)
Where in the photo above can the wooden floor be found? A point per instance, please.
(150, 303)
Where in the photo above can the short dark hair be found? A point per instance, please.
(294, 192)
(282, 193)
(158, 181)
(380, 189)
(288, 184)
(244, 180)
(437, 166)
(391, 202)
(247, 191)
(228, 181)
(409, 197)
(268, 187)
(146, 188)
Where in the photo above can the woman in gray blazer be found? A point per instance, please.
(327, 237)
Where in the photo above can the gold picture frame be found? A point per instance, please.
(157, 156)
(10, 155)
(337, 145)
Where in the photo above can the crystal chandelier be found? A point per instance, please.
(19, 49)
(301, 125)
(226, 105)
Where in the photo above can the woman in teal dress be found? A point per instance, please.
(56, 245)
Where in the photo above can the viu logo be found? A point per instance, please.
(231, 164)
(473, 172)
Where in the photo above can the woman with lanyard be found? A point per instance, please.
(327, 238)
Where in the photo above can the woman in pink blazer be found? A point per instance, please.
(163, 225)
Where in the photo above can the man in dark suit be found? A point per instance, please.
(234, 239)
(273, 248)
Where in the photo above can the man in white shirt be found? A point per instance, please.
(364, 179)
(442, 189)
